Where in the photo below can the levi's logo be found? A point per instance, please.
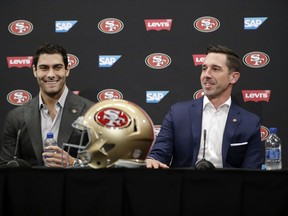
(20, 61)
(198, 59)
(158, 24)
(256, 95)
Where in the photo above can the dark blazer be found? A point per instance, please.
(178, 141)
(27, 119)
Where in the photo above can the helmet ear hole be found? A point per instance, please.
(107, 147)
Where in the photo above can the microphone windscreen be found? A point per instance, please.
(18, 163)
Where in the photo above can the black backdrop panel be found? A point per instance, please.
(130, 75)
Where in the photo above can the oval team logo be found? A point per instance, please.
(112, 117)
(206, 24)
(256, 59)
(157, 129)
(108, 94)
(73, 61)
(264, 133)
(19, 97)
(158, 60)
(110, 25)
(198, 94)
(20, 27)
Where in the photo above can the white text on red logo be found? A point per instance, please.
(158, 24)
(256, 95)
(20, 61)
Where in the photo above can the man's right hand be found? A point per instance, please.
(154, 164)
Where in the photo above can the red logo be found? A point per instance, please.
(112, 117)
(256, 59)
(256, 95)
(198, 59)
(20, 61)
(158, 24)
(19, 97)
(108, 94)
(198, 94)
(20, 27)
(206, 24)
(158, 60)
(73, 61)
(264, 133)
(110, 25)
(157, 129)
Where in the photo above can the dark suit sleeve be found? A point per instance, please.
(8, 138)
(162, 149)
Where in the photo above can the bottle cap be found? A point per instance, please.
(50, 135)
(273, 130)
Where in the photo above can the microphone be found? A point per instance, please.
(17, 162)
(204, 164)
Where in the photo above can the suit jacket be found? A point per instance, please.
(178, 141)
(27, 118)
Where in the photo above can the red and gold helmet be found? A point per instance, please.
(119, 133)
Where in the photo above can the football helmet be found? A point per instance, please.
(119, 133)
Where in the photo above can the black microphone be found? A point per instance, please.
(17, 162)
(204, 164)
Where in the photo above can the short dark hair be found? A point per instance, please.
(233, 60)
(50, 48)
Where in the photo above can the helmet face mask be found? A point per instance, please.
(117, 130)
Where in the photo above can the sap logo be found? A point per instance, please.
(64, 26)
(251, 23)
(155, 96)
(108, 60)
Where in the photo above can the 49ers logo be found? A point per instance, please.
(198, 94)
(206, 24)
(110, 25)
(256, 59)
(73, 61)
(20, 27)
(264, 133)
(112, 117)
(18, 97)
(158, 61)
(108, 94)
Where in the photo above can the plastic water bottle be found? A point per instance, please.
(273, 160)
(49, 141)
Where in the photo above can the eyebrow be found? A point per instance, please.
(46, 65)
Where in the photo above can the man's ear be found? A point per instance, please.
(234, 76)
(34, 70)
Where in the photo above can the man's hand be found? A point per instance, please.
(154, 164)
(56, 157)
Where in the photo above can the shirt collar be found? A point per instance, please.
(207, 102)
(61, 100)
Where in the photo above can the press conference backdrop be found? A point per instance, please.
(149, 52)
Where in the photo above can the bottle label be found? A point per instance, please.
(273, 154)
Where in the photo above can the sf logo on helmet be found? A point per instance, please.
(112, 118)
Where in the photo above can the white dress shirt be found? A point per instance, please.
(213, 121)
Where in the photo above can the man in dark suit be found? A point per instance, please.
(53, 110)
(230, 134)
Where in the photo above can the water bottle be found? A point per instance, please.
(49, 141)
(273, 151)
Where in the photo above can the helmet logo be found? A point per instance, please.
(137, 153)
(111, 117)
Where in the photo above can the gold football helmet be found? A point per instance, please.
(120, 133)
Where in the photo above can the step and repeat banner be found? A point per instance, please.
(149, 52)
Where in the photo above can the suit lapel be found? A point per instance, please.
(32, 120)
(233, 120)
(72, 110)
(196, 122)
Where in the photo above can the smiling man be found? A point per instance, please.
(53, 110)
(212, 131)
